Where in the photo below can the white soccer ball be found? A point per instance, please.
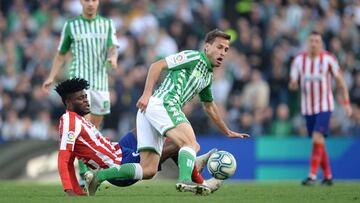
(221, 165)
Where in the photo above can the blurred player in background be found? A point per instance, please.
(313, 70)
(160, 115)
(81, 139)
(93, 45)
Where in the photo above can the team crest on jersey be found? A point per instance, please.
(71, 136)
(179, 58)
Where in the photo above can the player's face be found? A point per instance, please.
(89, 6)
(314, 44)
(79, 103)
(217, 51)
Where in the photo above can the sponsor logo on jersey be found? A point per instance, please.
(179, 58)
(71, 136)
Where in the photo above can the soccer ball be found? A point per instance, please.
(221, 165)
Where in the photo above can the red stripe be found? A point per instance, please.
(328, 93)
(61, 126)
(304, 84)
(69, 147)
(312, 97)
(96, 147)
(72, 122)
(321, 84)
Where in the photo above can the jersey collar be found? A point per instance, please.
(208, 64)
(88, 20)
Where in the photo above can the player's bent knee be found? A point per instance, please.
(149, 173)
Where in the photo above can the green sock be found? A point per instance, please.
(123, 172)
(186, 162)
(82, 167)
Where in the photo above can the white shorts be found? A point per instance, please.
(99, 102)
(152, 125)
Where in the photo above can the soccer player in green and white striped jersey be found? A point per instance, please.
(160, 115)
(93, 44)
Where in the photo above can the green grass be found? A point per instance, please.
(164, 191)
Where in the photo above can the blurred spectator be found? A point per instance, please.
(281, 127)
(256, 93)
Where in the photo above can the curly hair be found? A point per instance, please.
(70, 86)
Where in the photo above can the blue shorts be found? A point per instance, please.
(128, 145)
(318, 122)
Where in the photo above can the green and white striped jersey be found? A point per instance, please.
(89, 41)
(190, 73)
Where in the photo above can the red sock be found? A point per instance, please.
(315, 159)
(325, 164)
(196, 176)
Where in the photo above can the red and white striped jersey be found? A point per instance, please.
(86, 142)
(315, 81)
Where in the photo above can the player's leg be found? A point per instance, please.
(320, 133)
(96, 120)
(99, 106)
(184, 136)
(314, 158)
(150, 142)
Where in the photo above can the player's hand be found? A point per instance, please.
(233, 134)
(293, 86)
(143, 102)
(348, 110)
(113, 62)
(46, 85)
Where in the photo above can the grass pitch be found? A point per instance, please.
(164, 191)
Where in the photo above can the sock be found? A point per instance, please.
(82, 168)
(186, 163)
(196, 176)
(123, 172)
(315, 159)
(325, 164)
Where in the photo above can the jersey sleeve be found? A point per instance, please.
(70, 128)
(65, 39)
(294, 70)
(182, 59)
(67, 171)
(334, 65)
(112, 39)
(206, 94)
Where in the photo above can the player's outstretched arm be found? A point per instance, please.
(151, 79)
(58, 62)
(67, 174)
(340, 82)
(213, 112)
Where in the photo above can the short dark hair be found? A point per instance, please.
(213, 34)
(314, 32)
(70, 86)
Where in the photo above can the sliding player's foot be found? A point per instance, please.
(189, 186)
(201, 161)
(213, 184)
(91, 182)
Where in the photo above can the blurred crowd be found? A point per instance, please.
(250, 89)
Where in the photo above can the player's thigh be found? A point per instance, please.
(322, 123)
(310, 123)
(183, 135)
(148, 138)
(99, 102)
